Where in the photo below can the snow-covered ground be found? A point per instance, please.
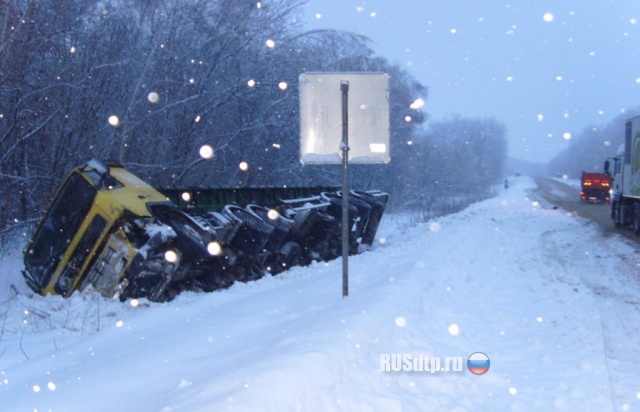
(551, 300)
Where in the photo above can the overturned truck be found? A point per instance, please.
(109, 230)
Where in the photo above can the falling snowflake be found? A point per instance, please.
(270, 44)
(418, 103)
(214, 248)
(548, 17)
(283, 85)
(401, 322)
(171, 256)
(244, 166)
(206, 152)
(453, 329)
(153, 97)
(114, 121)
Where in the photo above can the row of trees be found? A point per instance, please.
(148, 82)
(458, 161)
(591, 147)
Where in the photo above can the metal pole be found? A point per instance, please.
(344, 87)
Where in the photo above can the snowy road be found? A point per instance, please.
(551, 299)
(566, 195)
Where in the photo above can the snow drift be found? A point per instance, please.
(550, 299)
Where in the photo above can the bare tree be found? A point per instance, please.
(149, 82)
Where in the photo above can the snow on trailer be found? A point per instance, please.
(109, 230)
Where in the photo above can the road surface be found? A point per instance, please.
(567, 197)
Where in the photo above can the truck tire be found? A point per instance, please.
(615, 215)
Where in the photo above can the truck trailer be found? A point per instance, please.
(625, 191)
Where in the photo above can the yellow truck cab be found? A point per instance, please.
(89, 235)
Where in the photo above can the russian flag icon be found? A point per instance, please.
(478, 363)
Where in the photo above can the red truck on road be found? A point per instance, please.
(595, 187)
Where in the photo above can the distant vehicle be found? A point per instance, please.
(625, 193)
(595, 187)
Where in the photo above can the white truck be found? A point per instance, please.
(625, 187)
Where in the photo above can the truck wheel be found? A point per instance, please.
(615, 215)
(290, 254)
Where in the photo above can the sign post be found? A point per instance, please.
(360, 109)
(344, 87)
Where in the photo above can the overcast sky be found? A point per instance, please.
(546, 69)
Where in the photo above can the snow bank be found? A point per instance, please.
(552, 301)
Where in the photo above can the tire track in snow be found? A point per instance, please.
(615, 294)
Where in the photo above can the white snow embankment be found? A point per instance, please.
(546, 296)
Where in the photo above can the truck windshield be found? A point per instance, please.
(58, 228)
